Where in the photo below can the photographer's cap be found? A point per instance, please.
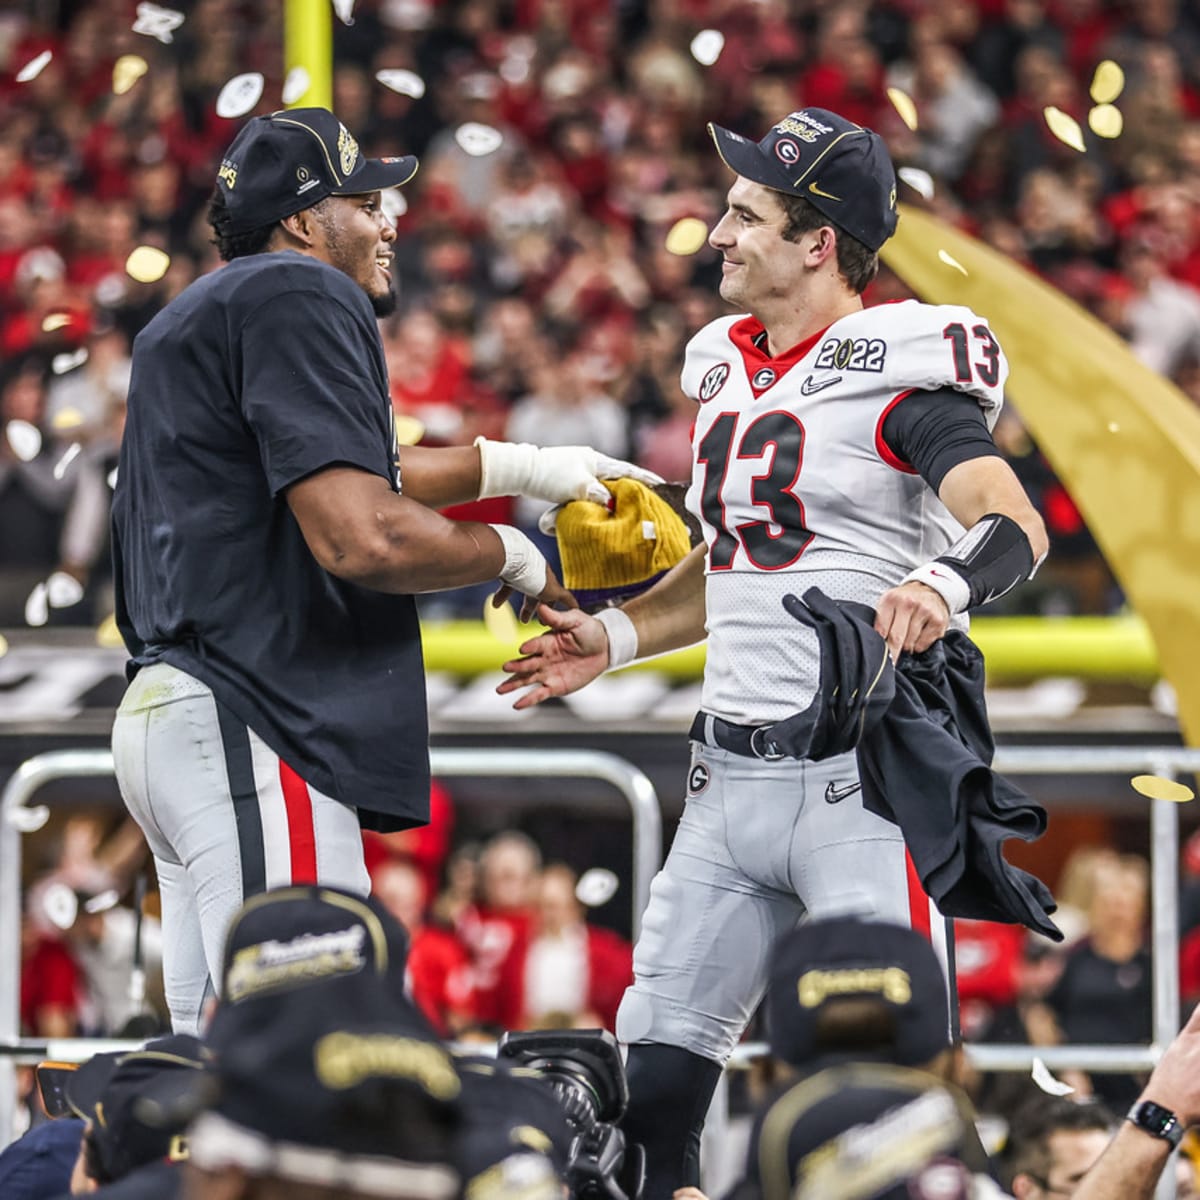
(842, 169)
(823, 962)
(292, 159)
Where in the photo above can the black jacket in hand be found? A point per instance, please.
(924, 756)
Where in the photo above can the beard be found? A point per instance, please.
(385, 304)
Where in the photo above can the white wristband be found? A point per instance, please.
(505, 468)
(944, 580)
(524, 567)
(622, 637)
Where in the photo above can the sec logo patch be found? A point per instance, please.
(698, 779)
(713, 381)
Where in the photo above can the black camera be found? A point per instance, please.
(583, 1068)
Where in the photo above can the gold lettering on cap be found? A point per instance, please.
(347, 150)
(344, 1060)
(892, 983)
(227, 173)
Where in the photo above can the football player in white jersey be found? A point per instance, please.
(834, 446)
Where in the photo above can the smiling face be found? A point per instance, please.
(357, 239)
(761, 268)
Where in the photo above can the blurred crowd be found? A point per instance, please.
(561, 141)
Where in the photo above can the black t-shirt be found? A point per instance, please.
(253, 378)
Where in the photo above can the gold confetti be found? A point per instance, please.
(53, 321)
(127, 70)
(950, 261)
(1064, 127)
(3, 645)
(1107, 83)
(902, 102)
(501, 622)
(1106, 121)
(147, 264)
(67, 418)
(687, 236)
(409, 431)
(1158, 788)
(1113, 427)
(108, 635)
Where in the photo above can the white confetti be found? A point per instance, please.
(37, 613)
(157, 22)
(596, 887)
(295, 85)
(1047, 1082)
(59, 903)
(920, 181)
(63, 590)
(34, 67)
(112, 478)
(60, 364)
(102, 902)
(240, 95)
(950, 261)
(407, 83)
(344, 10)
(69, 456)
(394, 204)
(707, 45)
(478, 140)
(25, 439)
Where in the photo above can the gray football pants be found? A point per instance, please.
(225, 819)
(760, 845)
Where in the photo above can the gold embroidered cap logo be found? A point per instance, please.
(347, 150)
(227, 173)
(344, 1060)
(892, 983)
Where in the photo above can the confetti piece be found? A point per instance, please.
(147, 264)
(409, 431)
(950, 261)
(501, 622)
(1047, 1082)
(596, 887)
(108, 635)
(240, 95)
(407, 83)
(1106, 121)
(63, 590)
(3, 645)
(37, 607)
(60, 364)
(157, 22)
(1113, 427)
(112, 478)
(34, 67)
(295, 85)
(686, 236)
(25, 440)
(902, 102)
(1107, 83)
(1064, 127)
(54, 321)
(344, 10)
(920, 181)
(707, 45)
(60, 904)
(66, 419)
(127, 70)
(60, 469)
(478, 140)
(1155, 787)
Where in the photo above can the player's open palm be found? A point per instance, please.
(571, 654)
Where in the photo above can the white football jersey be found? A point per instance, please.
(795, 487)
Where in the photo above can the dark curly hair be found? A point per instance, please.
(235, 245)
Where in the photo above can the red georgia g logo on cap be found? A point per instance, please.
(788, 151)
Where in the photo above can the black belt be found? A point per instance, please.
(750, 741)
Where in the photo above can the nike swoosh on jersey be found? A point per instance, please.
(809, 388)
(835, 795)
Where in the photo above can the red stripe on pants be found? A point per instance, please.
(918, 901)
(302, 839)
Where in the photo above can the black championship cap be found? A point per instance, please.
(292, 159)
(292, 937)
(868, 1131)
(344, 1087)
(846, 958)
(842, 169)
(109, 1089)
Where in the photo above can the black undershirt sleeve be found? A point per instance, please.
(935, 431)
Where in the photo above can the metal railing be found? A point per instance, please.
(18, 818)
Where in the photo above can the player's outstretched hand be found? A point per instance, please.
(553, 594)
(911, 617)
(1175, 1082)
(571, 654)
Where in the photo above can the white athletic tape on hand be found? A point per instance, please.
(554, 473)
(525, 569)
(622, 637)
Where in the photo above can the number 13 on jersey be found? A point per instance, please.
(770, 544)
